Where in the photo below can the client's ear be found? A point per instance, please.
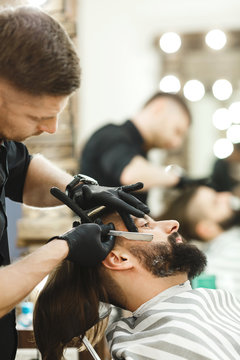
(118, 260)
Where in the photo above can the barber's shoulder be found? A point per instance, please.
(108, 134)
(108, 129)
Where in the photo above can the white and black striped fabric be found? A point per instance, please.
(180, 323)
(223, 260)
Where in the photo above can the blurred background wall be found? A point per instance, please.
(122, 65)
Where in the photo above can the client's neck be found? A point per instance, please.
(140, 289)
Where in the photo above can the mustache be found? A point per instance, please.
(172, 238)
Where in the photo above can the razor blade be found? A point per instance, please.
(132, 235)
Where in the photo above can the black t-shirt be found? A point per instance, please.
(14, 161)
(109, 150)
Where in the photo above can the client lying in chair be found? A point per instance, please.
(170, 320)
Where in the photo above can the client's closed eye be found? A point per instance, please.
(143, 223)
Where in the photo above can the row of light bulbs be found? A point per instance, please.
(194, 90)
(227, 119)
(170, 42)
(223, 118)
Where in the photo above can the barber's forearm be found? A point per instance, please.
(140, 169)
(41, 176)
(20, 278)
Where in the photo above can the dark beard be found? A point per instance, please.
(171, 258)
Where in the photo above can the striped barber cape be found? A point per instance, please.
(180, 323)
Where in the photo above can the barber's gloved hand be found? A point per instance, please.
(88, 244)
(117, 198)
(185, 182)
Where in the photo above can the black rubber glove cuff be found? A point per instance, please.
(88, 244)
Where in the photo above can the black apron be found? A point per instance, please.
(8, 333)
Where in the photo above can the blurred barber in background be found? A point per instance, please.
(213, 219)
(117, 154)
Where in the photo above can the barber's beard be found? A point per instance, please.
(171, 258)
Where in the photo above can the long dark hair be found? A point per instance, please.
(66, 308)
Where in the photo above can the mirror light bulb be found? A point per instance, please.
(221, 119)
(222, 148)
(194, 90)
(234, 110)
(222, 89)
(233, 134)
(216, 39)
(170, 83)
(170, 42)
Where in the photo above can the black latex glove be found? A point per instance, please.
(88, 244)
(116, 198)
(128, 221)
(185, 182)
(119, 198)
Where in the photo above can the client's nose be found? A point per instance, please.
(170, 226)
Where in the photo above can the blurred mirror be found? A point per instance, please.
(204, 67)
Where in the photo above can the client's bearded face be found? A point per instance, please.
(170, 258)
(168, 253)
